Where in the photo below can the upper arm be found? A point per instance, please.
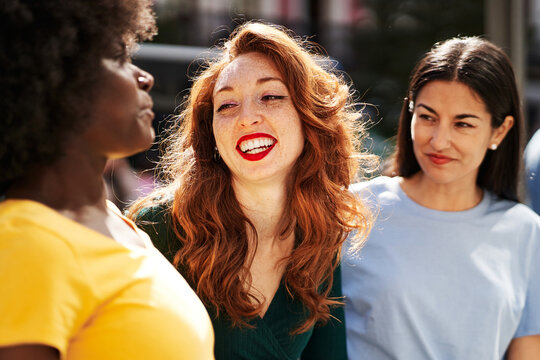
(329, 341)
(524, 348)
(29, 352)
(529, 323)
(44, 290)
(526, 342)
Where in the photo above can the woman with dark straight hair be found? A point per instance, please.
(488, 72)
(450, 270)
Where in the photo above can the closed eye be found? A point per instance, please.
(225, 106)
(273, 97)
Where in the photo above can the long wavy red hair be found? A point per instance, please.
(208, 219)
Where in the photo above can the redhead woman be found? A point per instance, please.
(256, 204)
(79, 280)
(451, 268)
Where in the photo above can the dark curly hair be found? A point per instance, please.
(50, 66)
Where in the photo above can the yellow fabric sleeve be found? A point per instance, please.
(45, 297)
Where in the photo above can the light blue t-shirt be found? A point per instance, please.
(441, 285)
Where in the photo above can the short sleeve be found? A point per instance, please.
(530, 317)
(44, 294)
(329, 341)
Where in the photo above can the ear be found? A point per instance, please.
(499, 133)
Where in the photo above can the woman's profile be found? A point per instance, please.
(80, 280)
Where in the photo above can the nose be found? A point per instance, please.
(249, 114)
(440, 138)
(145, 80)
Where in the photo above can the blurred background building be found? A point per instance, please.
(376, 43)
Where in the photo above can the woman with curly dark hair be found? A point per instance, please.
(256, 206)
(79, 280)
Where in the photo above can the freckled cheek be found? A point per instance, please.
(295, 132)
(290, 118)
(216, 128)
(222, 134)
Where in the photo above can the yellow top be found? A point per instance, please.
(72, 288)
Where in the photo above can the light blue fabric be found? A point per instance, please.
(532, 171)
(441, 285)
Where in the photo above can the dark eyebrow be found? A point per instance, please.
(460, 116)
(259, 81)
(428, 108)
(465, 116)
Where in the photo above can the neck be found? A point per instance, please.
(457, 196)
(263, 206)
(71, 184)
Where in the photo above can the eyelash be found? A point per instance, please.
(426, 117)
(265, 98)
(462, 124)
(225, 106)
(459, 124)
(272, 97)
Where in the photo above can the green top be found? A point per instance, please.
(270, 337)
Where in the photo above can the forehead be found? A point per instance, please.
(451, 94)
(246, 68)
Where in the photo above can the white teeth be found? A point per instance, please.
(257, 145)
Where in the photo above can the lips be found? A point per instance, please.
(439, 159)
(146, 107)
(254, 147)
(147, 114)
(150, 113)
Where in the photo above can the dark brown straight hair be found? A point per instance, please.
(487, 70)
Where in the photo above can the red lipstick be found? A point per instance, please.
(257, 156)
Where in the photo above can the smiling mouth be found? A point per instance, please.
(255, 146)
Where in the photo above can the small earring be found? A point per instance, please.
(493, 147)
(411, 106)
(217, 156)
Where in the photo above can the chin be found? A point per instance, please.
(437, 175)
(439, 179)
(146, 143)
(132, 150)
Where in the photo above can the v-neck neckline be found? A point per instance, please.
(271, 305)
